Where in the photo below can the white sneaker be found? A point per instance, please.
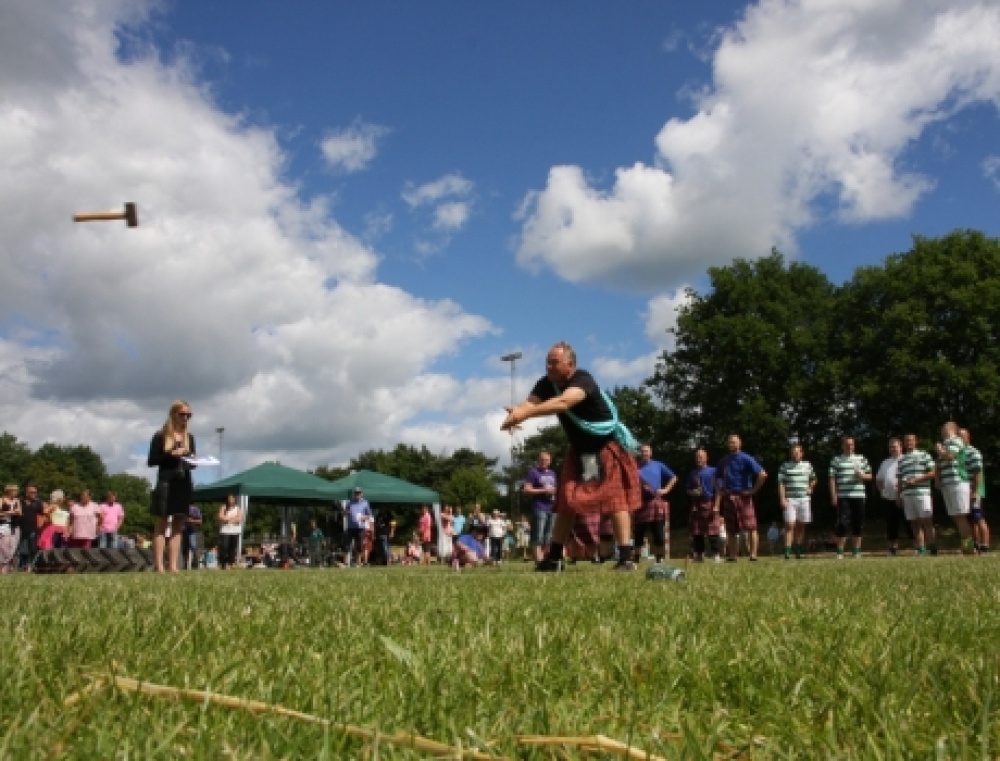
(716, 559)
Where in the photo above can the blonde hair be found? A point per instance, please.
(169, 429)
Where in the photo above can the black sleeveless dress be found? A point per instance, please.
(174, 487)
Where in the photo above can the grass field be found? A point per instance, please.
(873, 658)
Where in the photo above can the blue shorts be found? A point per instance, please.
(976, 511)
(541, 528)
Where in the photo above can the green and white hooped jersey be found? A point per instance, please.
(842, 470)
(950, 474)
(974, 464)
(796, 477)
(911, 465)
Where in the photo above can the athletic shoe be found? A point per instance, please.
(624, 565)
(892, 552)
(787, 556)
(730, 560)
(547, 565)
(753, 559)
(716, 559)
(840, 556)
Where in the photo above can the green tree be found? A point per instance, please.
(752, 357)
(467, 486)
(15, 457)
(919, 341)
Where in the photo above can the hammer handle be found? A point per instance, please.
(98, 216)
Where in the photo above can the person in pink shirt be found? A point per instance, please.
(83, 519)
(424, 531)
(112, 515)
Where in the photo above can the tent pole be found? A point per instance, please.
(440, 533)
(244, 509)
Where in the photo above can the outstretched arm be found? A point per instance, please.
(535, 407)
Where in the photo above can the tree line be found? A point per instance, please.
(772, 350)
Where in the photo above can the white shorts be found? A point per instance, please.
(917, 506)
(956, 498)
(799, 510)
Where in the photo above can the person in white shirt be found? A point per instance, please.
(886, 482)
(497, 527)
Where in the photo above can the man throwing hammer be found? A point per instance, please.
(599, 474)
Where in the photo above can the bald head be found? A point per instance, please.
(949, 429)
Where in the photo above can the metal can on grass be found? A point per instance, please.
(660, 572)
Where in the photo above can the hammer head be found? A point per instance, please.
(131, 215)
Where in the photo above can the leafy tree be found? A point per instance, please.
(919, 341)
(331, 472)
(467, 486)
(78, 462)
(15, 456)
(752, 357)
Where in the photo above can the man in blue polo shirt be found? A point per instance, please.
(359, 517)
(654, 515)
(738, 477)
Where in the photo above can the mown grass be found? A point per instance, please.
(820, 659)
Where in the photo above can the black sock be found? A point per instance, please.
(624, 552)
(713, 544)
(555, 551)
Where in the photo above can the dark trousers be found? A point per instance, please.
(496, 547)
(227, 549)
(850, 516)
(894, 516)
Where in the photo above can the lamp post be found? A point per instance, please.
(512, 358)
(220, 431)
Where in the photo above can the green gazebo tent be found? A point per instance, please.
(382, 488)
(378, 487)
(269, 480)
(272, 481)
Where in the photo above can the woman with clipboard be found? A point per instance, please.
(174, 487)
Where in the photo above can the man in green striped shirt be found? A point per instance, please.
(977, 490)
(914, 473)
(796, 481)
(953, 478)
(848, 473)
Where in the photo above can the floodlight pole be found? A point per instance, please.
(220, 431)
(512, 358)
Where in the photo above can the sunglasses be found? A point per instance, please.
(184, 414)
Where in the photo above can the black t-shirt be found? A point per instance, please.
(593, 409)
(30, 509)
(383, 523)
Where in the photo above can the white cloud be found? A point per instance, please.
(811, 100)
(351, 149)
(991, 168)
(432, 192)
(451, 215)
(449, 199)
(234, 293)
(661, 319)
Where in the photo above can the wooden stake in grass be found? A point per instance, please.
(255, 706)
(594, 742)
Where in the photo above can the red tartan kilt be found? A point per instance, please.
(653, 509)
(619, 491)
(587, 528)
(703, 520)
(739, 512)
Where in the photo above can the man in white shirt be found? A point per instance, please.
(886, 482)
(496, 525)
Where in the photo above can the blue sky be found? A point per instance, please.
(499, 93)
(351, 210)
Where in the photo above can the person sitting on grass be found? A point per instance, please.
(469, 549)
